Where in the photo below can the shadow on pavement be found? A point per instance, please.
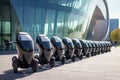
(10, 75)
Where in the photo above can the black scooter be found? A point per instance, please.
(25, 49)
(45, 50)
(59, 49)
(78, 48)
(69, 49)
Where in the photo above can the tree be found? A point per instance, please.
(115, 35)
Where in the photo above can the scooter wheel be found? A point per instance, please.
(34, 65)
(73, 58)
(15, 64)
(14, 58)
(52, 62)
(63, 60)
(81, 57)
(88, 55)
(36, 56)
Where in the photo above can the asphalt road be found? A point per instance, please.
(101, 67)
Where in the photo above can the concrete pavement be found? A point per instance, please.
(101, 67)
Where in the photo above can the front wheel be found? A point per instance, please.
(52, 62)
(34, 65)
(63, 60)
(15, 64)
(73, 58)
(88, 55)
(81, 57)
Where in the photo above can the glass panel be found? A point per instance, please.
(38, 20)
(69, 3)
(18, 2)
(0, 44)
(19, 16)
(66, 25)
(44, 39)
(25, 37)
(6, 27)
(63, 2)
(0, 27)
(60, 23)
(53, 1)
(17, 22)
(77, 3)
(49, 23)
(29, 19)
(57, 39)
(46, 29)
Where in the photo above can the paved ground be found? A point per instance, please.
(101, 67)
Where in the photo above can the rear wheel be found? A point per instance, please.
(63, 60)
(81, 57)
(52, 62)
(88, 55)
(15, 64)
(34, 65)
(73, 58)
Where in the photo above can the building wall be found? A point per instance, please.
(64, 18)
(114, 24)
(101, 13)
(99, 30)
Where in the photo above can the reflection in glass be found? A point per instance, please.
(6, 27)
(29, 17)
(60, 23)
(63, 18)
(49, 22)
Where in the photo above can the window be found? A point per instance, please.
(7, 28)
(38, 20)
(19, 11)
(25, 37)
(29, 20)
(0, 27)
(45, 39)
(49, 22)
(60, 24)
(63, 2)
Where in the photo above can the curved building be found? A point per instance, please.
(87, 19)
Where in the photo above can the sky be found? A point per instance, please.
(114, 8)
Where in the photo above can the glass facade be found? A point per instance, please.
(64, 18)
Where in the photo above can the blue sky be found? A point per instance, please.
(114, 8)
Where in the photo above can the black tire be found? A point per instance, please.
(88, 55)
(73, 58)
(52, 62)
(15, 64)
(15, 70)
(81, 57)
(36, 56)
(14, 58)
(38, 59)
(92, 54)
(34, 65)
(63, 60)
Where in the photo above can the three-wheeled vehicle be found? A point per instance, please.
(69, 48)
(85, 46)
(45, 50)
(59, 49)
(78, 48)
(25, 49)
